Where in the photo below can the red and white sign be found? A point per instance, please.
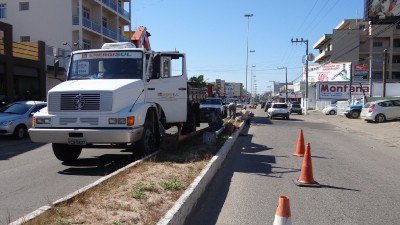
(340, 91)
(332, 72)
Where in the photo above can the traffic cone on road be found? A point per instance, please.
(306, 178)
(300, 145)
(282, 215)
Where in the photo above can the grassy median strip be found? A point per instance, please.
(139, 195)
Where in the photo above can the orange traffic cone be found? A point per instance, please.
(306, 178)
(300, 145)
(282, 215)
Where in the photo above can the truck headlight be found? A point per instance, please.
(118, 120)
(43, 120)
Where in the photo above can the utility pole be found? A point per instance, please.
(247, 47)
(286, 88)
(301, 41)
(384, 71)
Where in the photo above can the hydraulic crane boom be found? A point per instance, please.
(141, 38)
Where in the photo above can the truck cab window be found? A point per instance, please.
(107, 65)
(172, 66)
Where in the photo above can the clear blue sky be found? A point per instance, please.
(213, 33)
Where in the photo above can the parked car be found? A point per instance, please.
(382, 110)
(278, 110)
(16, 117)
(295, 108)
(212, 105)
(353, 111)
(330, 110)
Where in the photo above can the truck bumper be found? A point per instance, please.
(90, 136)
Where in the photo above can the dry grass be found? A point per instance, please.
(139, 195)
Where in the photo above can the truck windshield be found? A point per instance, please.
(106, 65)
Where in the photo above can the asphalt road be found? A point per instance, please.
(31, 176)
(360, 177)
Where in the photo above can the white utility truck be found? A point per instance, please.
(123, 93)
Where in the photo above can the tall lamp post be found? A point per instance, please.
(286, 88)
(251, 84)
(247, 44)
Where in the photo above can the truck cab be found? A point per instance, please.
(119, 94)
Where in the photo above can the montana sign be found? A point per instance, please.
(340, 91)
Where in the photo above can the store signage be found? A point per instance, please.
(340, 91)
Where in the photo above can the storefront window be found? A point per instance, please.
(26, 88)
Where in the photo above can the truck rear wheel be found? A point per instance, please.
(190, 125)
(66, 153)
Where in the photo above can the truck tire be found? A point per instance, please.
(19, 132)
(190, 125)
(66, 153)
(150, 141)
(355, 114)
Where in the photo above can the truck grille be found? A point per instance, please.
(81, 102)
(75, 101)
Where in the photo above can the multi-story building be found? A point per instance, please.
(88, 23)
(66, 25)
(360, 43)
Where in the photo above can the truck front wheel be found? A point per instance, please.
(66, 153)
(150, 140)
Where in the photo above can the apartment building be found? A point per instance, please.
(360, 43)
(66, 25)
(87, 23)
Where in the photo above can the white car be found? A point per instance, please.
(278, 110)
(330, 110)
(380, 111)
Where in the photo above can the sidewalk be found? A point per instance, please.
(388, 131)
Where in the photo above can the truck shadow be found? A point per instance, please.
(97, 166)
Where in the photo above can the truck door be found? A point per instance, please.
(167, 85)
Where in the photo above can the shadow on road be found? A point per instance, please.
(338, 188)
(260, 120)
(245, 157)
(11, 147)
(97, 166)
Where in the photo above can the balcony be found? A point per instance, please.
(109, 33)
(124, 13)
(110, 4)
(123, 39)
(91, 25)
(322, 56)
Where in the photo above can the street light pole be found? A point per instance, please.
(247, 47)
(251, 84)
(286, 88)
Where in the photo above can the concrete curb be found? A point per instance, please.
(43, 209)
(198, 182)
(184, 205)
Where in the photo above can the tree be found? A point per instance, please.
(198, 81)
